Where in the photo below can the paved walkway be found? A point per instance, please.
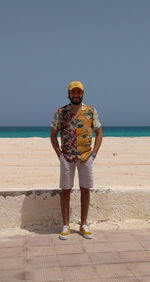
(112, 255)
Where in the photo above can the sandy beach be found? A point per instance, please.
(32, 163)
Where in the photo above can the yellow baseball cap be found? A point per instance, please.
(74, 84)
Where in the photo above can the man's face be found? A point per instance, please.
(76, 96)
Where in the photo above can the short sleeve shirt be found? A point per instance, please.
(76, 131)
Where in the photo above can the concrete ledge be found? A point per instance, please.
(35, 209)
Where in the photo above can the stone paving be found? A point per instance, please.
(114, 255)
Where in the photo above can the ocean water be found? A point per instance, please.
(112, 131)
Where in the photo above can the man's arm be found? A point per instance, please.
(98, 140)
(54, 141)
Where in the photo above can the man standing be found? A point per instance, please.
(76, 121)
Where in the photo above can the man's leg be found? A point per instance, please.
(85, 200)
(85, 171)
(67, 170)
(64, 202)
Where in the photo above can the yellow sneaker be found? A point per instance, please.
(84, 231)
(65, 233)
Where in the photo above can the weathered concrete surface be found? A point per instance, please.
(109, 208)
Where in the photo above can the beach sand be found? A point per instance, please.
(32, 163)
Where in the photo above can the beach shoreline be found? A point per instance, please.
(121, 184)
(32, 163)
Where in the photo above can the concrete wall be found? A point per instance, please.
(109, 208)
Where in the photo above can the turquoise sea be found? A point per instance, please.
(112, 131)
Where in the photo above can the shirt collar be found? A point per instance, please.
(82, 106)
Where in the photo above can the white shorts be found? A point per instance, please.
(67, 172)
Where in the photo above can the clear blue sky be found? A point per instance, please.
(45, 44)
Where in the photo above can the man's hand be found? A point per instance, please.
(98, 140)
(93, 155)
(54, 142)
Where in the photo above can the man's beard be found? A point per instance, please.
(76, 103)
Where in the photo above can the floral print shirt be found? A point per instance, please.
(76, 131)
